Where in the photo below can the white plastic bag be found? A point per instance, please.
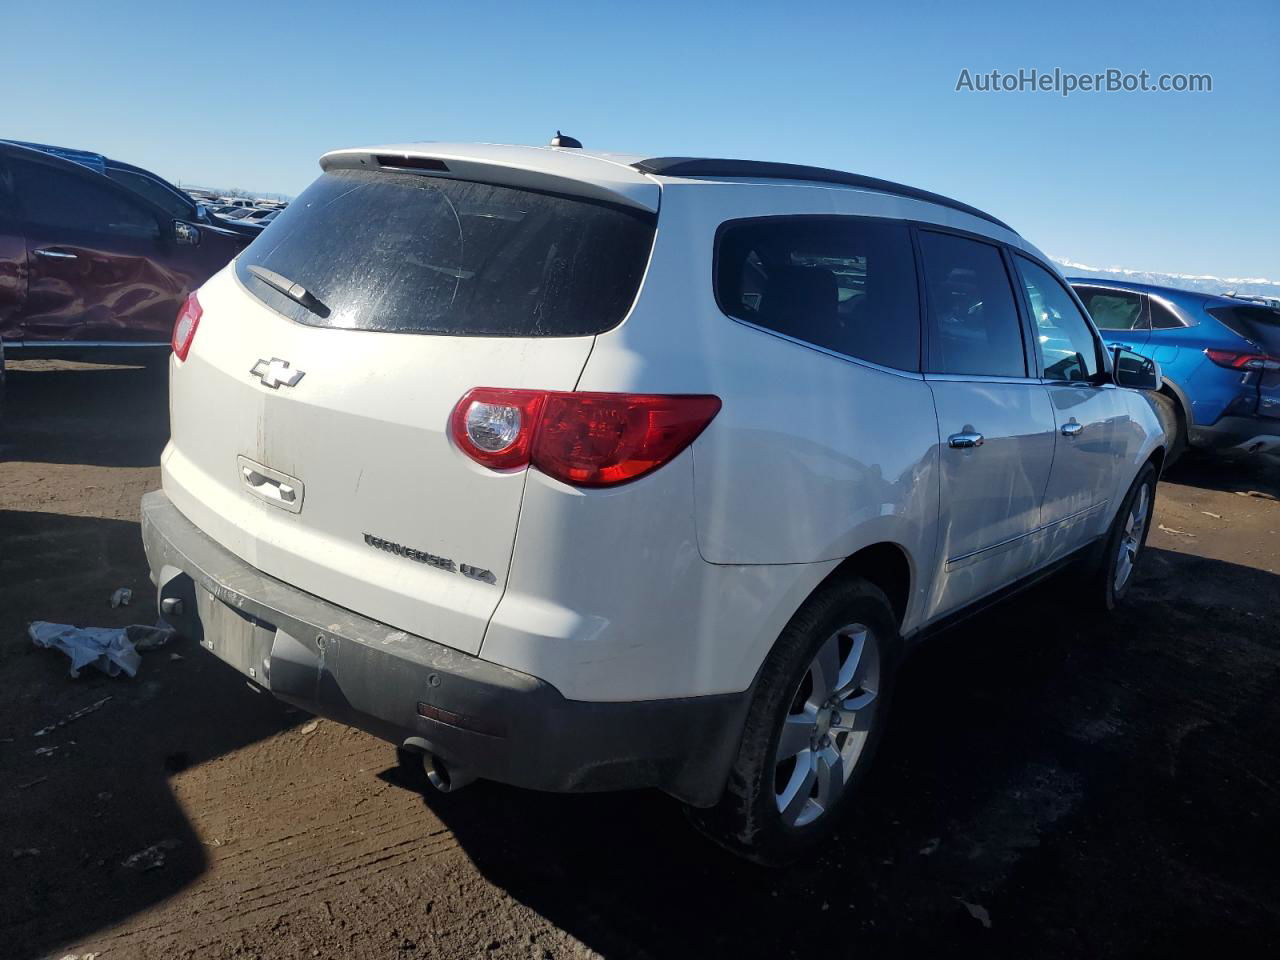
(107, 648)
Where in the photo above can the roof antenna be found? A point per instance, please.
(560, 140)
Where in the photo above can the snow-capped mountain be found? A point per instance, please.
(1251, 286)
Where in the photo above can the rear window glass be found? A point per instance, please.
(1258, 324)
(414, 254)
(846, 284)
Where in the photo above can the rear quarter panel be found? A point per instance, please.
(812, 457)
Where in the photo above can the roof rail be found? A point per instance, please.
(764, 170)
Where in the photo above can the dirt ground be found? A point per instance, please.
(1049, 787)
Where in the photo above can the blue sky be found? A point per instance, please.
(250, 94)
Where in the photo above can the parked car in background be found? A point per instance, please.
(1220, 357)
(432, 468)
(173, 200)
(88, 265)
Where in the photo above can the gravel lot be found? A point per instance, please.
(1049, 787)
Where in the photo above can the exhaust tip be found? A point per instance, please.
(438, 773)
(443, 776)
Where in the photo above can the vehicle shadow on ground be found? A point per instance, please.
(1054, 773)
(90, 830)
(1259, 473)
(90, 415)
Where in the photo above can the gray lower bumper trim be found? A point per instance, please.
(341, 665)
(1240, 434)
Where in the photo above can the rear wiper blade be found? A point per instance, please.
(294, 291)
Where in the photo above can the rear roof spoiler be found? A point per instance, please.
(532, 168)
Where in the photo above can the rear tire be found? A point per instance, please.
(1114, 571)
(817, 715)
(1174, 421)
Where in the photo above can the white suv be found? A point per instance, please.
(585, 471)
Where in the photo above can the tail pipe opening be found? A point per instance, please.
(442, 775)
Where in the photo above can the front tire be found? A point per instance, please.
(1174, 422)
(817, 715)
(1116, 569)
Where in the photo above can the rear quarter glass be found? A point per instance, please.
(410, 253)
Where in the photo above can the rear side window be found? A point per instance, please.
(1258, 324)
(973, 324)
(415, 254)
(1114, 309)
(845, 284)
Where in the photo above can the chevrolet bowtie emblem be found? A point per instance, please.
(275, 373)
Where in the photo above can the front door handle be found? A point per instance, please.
(1071, 428)
(1122, 346)
(966, 441)
(53, 254)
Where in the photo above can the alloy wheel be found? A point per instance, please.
(827, 725)
(1131, 537)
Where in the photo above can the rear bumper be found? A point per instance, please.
(1239, 435)
(486, 720)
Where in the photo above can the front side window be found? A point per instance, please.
(73, 201)
(8, 194)
(1067, 346)
(846, 284)
(973, 322)
(1114, 309)
(409, 253)
(153, 190)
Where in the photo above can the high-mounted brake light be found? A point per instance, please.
(1236, 360)
(184, 327)
(585, 439)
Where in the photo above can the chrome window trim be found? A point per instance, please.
(978, 378)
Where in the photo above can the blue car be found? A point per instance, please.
(1220, 357)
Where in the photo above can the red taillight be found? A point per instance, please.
(495, 427)
(184, 327)
(586, 439)
(1236, 360)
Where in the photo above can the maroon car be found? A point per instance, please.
(88, 267)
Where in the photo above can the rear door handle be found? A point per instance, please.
(54, 254)
(966, 441)
(1071, 428)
